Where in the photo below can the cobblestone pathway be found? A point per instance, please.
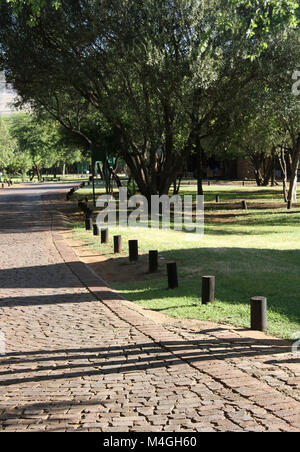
(75, 363)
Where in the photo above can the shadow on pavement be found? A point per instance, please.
(84, 362)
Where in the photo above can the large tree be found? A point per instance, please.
(159, 71)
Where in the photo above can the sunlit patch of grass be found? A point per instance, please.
(256, 254)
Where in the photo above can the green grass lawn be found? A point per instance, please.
(254, 252)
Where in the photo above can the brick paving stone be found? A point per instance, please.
(78, 358)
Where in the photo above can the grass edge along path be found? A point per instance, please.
(257, 253)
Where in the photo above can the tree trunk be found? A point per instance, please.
(292, 195)
(256, 162)
(100, 172)
(177, 185)
(267, 170)
(294, 159)
(282, 161)
(273, 168)
(114, 175)
(199, 167)
(106, 174)
(157, 179)
(38, 172)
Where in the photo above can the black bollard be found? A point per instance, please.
(208, 289)
(96, 230)
(133, 246)
(104, 235)
(172, 275)
(244, 205)
(258, 313)
(88, 224)
(218, 198)
(88, 213)
(153, 261)
(117, 244)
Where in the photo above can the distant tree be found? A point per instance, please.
(264, 122)
(42, 142)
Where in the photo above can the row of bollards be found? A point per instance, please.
(208, 283)
(117, 239)
(258, 304)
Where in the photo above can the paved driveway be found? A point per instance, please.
(74, 362)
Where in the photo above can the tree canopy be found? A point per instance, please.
(29, 143)
(161, 75)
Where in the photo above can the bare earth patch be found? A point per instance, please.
(113, 269)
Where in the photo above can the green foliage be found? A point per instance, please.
(36, 138)
(250, 252)
(40, 143)
(162, 74)
(263, 13)
(35, 7)
(7, 144)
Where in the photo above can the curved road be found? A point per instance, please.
(73, 362)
